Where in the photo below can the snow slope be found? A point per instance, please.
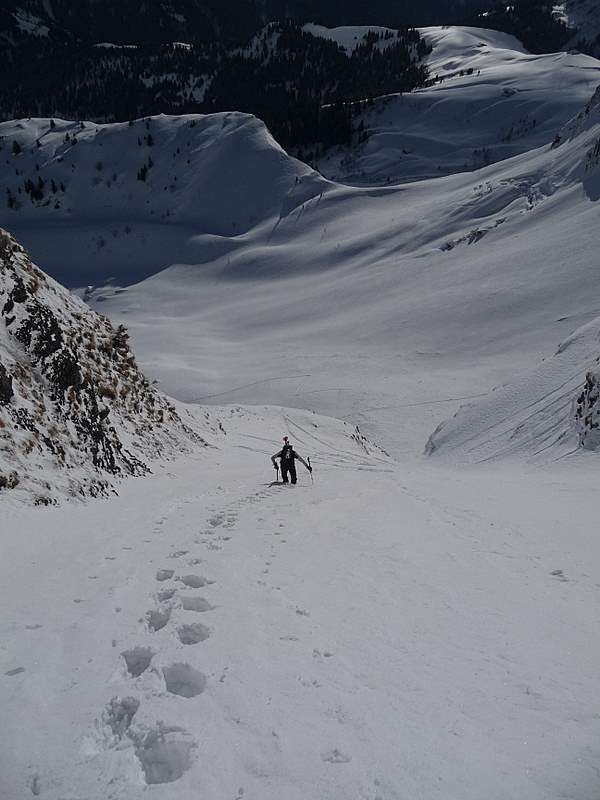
(490, 100)
(389, 632)
(546, 412)
(535, 416)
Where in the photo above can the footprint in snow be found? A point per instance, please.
(198, 604)
(193, 634)
(137, 660)
(178, 554)
(164, 574)
(559, 574)
(157, 618)
(118, 715)
(335, 756)
(165, 594)
(35, 785)
(165, 752)
(195, 581)
(324, 654)
(183, 680)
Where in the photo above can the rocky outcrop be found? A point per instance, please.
(75, 411)
(587, 413)
(6, 389)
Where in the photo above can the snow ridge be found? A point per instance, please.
(143, 194)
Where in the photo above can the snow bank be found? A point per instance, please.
(75, 411)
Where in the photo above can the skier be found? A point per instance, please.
(287, 455)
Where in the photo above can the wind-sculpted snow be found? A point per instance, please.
(75, 411)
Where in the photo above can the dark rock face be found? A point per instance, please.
(6, 388)
(587, 413)
(70, 391)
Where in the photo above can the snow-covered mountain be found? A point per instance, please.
(489, 100)
(75, 412)
(126, 200)
(393, 626)
(256, 267)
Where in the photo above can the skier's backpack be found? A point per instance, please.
(287, 452)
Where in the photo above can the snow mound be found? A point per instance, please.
(144, 194)
(75, 411)
(549, 414)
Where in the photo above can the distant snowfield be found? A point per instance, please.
(405, 627)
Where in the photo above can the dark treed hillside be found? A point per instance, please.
(533, 22)
(228, 21)
(299, 84)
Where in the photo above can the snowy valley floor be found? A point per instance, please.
(394, 631)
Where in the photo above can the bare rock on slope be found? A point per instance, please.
(76, 413)
(587, 412)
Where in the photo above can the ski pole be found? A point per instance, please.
(312, 480)
(277, 468)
